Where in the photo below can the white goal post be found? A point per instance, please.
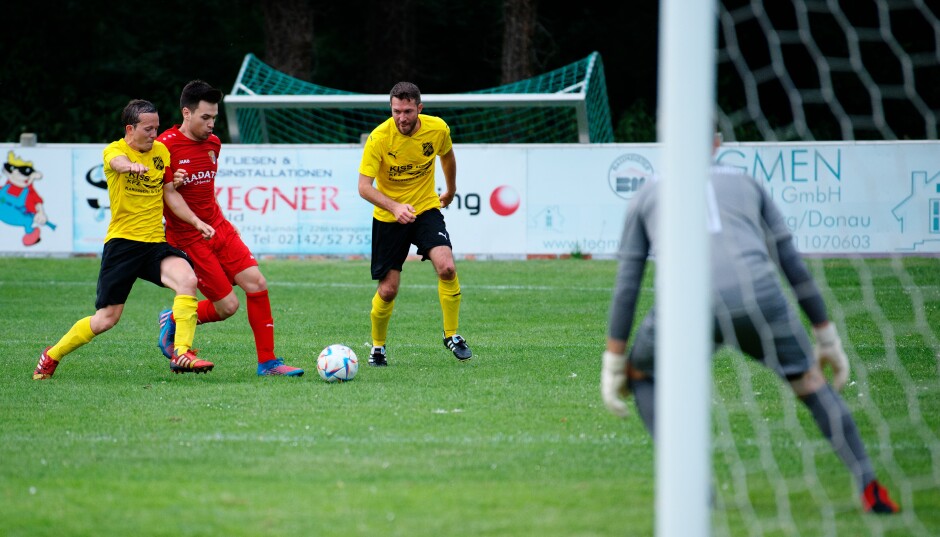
(686, 87)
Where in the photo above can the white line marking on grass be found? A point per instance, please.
(462, 285)
(341, 285)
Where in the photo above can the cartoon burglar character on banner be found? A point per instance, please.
(20, 204)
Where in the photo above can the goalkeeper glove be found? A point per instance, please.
(829, 351)
(614, 383)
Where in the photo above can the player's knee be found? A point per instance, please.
(447, 272)
(185, 283)
(191, 281)
(254, 282)
(388, 291)
(811, 381)
(101, 323)
(227, 306)
(388, 295)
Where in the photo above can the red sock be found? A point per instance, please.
(205, 312)
(262, 324)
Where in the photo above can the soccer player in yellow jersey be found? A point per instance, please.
(135, 246)
(399, 159)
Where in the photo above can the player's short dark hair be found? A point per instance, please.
(405, 91)
(133, 110)
(197, 90)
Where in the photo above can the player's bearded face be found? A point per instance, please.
(202, 120)
(405, 112)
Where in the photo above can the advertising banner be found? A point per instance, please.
(488, 215)
(288, 200)
(577, 200)
(865, 198)
(36, 199)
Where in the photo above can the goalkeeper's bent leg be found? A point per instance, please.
(644, 397)
(836, 424)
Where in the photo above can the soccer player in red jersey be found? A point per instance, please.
(224, 259)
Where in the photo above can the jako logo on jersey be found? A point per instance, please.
(184, 161)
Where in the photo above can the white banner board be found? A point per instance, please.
(865, 198)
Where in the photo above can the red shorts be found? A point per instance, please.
(217, 261)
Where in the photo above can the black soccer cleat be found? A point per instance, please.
(378, 357)
(458, 346)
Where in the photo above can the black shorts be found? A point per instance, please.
(771, 333)
(391, 241)
(123, 261)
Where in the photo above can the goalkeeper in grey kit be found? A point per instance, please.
(750, 241)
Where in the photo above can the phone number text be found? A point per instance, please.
(312, 239)
(834, 242)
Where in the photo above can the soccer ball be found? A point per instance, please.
(337, 363)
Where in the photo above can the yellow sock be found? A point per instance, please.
(78, 335)
(184, 312)
(380, 315)
(449, 293)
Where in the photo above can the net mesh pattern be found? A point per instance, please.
(540, 123)
(829, 69)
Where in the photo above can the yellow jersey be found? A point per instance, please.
(136, 199)
(403, 166)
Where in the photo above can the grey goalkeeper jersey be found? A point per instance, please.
(749, 242)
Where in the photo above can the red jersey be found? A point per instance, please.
(201, 162)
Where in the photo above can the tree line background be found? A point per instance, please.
(70, 67)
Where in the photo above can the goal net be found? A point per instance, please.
(835, 70)
(829, 69)
(567, 105)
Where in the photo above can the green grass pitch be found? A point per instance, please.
(515, 442)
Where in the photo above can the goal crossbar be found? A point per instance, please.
(577, 101)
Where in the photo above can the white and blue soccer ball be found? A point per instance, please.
(337, 363)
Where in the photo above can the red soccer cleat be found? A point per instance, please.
(875, 500)
(46, 366)
(188, 363)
